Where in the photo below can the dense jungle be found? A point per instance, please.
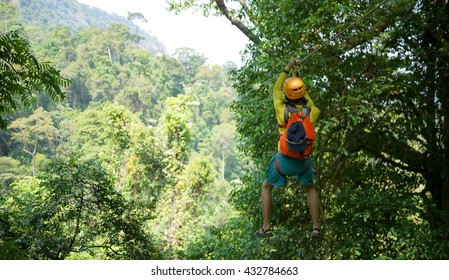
(112, 149)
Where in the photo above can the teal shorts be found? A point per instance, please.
(289, 167)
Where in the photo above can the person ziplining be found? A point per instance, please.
(296, 115)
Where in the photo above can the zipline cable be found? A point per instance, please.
(329, 40)
(342, 31)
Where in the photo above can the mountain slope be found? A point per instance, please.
(76, 16)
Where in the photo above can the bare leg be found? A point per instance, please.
(314, 205)
(266, 204)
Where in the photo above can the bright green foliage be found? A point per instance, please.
(85, 132)
(145, 167)
(222, 146)
(9, 17)
(190, 60)
(182, 207)
(73, 207)
(171, 207)
(108, 65)
(128, 149)
(34, 130)
(381, 157)
(211, 89)
(176, 129)
(140, 124)
(21, 75)
(9, 171)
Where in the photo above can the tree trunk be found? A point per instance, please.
(110, 54)
(222, 163)
(435, 40)
(439, 188)
(444, 198)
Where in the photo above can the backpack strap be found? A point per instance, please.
(305, 109)
(289, 108)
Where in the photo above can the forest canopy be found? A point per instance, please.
(142, 155)
(382, 155)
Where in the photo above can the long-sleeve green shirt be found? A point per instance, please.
(279, 104)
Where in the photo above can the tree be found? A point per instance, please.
(136, 16)
(73, 208)
(190, 60)
(30, 131)
(10, 171)
(182, 208)
(222, 143)
(176, 129)
(21, 74)
(381, 86)
(9, 19)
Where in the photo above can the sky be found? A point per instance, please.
(213, 37)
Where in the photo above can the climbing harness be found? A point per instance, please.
(276, 165)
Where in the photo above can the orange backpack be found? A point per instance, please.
(297, 140)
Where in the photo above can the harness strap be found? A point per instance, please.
(300, 174)
(277, 167)
(307, 168)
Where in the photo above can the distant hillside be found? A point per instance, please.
(76, 15)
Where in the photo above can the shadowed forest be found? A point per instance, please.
(112, 149)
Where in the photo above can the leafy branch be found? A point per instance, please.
(21, 75)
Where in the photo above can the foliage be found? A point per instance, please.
(222, 146)
(140, 125)
(190, 60)
(236, 241)
(37, 128)
(22, 74)
(158, 174)
(76, 16)
(387, 63)
(9, 251)
(10, 19)
(183, 207)
(391, 215)
(72, 208)
(10, 171)
(182, 202)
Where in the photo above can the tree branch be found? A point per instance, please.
(77, 226)
(359, 40)
(109, 247)
(10, 66)
(235, 21)
(248, 11)
(375, 29)
(380, 145)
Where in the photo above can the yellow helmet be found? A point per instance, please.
(294, 88)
